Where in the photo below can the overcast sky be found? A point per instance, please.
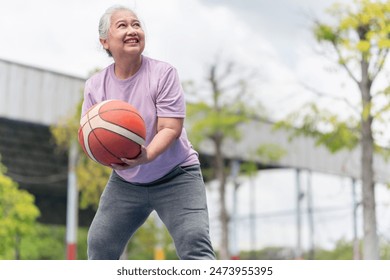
(273, 37)
(62, 34)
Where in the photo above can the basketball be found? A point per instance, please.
(111, 130)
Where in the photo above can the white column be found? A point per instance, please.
(72, 205)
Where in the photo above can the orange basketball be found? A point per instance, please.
(112, 130)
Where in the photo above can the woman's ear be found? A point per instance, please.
(104, 43)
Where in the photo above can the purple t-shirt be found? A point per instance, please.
(155, 91)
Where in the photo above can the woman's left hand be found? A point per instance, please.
(131, 163)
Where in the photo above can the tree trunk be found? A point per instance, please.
(223, 214)
(17, 246)
(370, 246)
(371, 250)
(220, 169)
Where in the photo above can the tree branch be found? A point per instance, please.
(382, 55)
(344, 65)
(327, 95)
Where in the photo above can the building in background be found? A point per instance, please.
(31, 100)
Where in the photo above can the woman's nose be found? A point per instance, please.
(131, 31)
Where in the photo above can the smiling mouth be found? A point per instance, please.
(132, 41)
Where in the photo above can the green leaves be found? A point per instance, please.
(324, 126)
(361, 30)
(91, 181)
(270, 152)
(207, 122)
(91, 176)
(325, 32)
(18, 215)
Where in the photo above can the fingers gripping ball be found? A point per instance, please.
(112, 130)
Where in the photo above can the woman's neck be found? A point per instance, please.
(124, 69)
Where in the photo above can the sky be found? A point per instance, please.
(273, 37)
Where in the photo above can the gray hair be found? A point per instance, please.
(105, 21)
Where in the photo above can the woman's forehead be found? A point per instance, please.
(123, 14)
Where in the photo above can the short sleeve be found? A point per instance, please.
(170, 96)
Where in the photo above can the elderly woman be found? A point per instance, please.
(166, 176)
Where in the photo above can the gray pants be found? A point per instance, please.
(179, 198)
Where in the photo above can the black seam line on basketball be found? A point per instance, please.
(117, 125)
(99, 112)
(90, 126)
(109, 110)
(97, 138)
(115, 134)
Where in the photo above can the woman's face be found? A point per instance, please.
(125, 36)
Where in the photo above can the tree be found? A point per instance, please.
(90, 187)
(360, 41)
(343, 250)
(18, 215)
(47, 243)
(218, 120)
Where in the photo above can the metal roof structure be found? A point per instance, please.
(37, 95)
(43, 96)
(301, 153)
